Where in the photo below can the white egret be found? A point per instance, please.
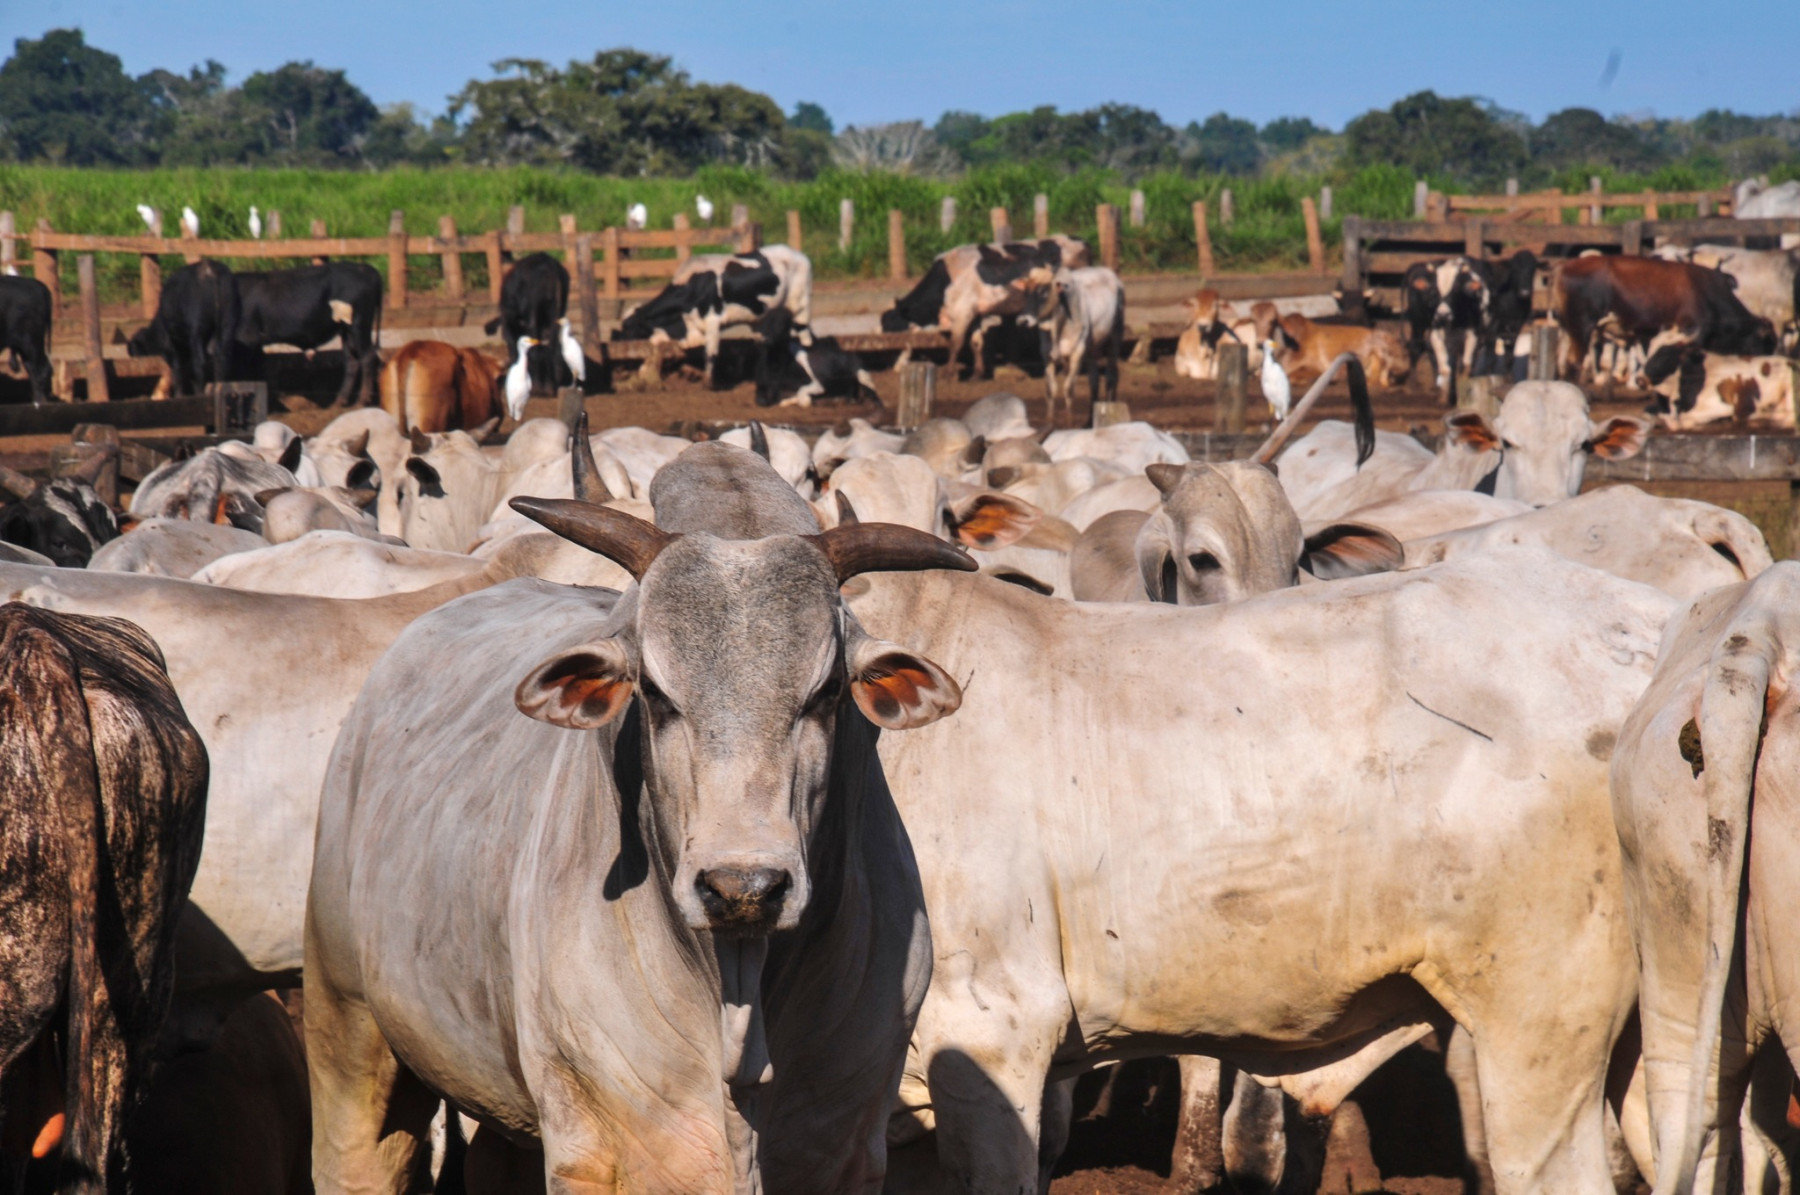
(147, 214)
(571, 350)
(518, 381)
(255, 222)
(704, 206)
(190, 222)
(637, 216)
(1275, 386)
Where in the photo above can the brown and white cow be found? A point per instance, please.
(1645, 297)
(430, 386)
(1303, 345)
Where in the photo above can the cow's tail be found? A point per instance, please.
(1725, 740)
(1362, 410)
(492, 326)
(393, 394)
(44, 722)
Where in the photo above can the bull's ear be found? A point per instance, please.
(899, 690)
(480, 434)
(579, 689)
(290, 456)
(1165, 477)
(431, 484)
(1350, 550)
(1618, 438)
(1470, 430)
(362, 475)
(989, 521)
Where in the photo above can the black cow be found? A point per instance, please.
(714, 291)
(534, 299)
(103, 787)
(25, 317)
(795, 362)
(1509, 309)
(307, 307)
(195, 326)
(65, 520)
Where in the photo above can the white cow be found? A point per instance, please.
(1756, 200)
(172, 547)
(1082, 315)
(1375, 787)
(1712, 388)
(338, 564)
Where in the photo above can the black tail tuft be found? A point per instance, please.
(1363, 409)
(492, 326)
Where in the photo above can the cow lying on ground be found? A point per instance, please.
(215, 485)
(312, 305)
(431, 386)
(1643, 298)
(195, 326)
(1080, 315)
(1301, 345)
(25, 319)
(1696, 387)
(534, 299)
(715, 291)
(1212, 323)
(105, 788)
(794, 365)
(64, 520)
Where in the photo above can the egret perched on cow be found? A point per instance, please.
(147, 214)
(190, 222)
(518, 380)
(637, 216)
(255, 222)
(572, 355)
(704, 206)
(1275, 386)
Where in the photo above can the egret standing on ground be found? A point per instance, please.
(255, 222)
(147, 214)
(190, 222)
(1275, 386)
(518, 381)
(704, 206)
(637, 216)
(572, 355)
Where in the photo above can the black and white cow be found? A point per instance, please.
(715, 291)
(25, 317)
(195, 326)
(309, 306)
(1447, 304)
(534, 299)
(64, 520)
(795, 366)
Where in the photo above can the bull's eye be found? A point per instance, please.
(1202, 562)
(826, 696)
(1508, 445)
(655, 700)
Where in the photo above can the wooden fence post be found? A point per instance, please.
(918, 390)
(1650, 209)
(1437, 207)
(1631, 238)
(396, 287)
(896, 244)
(496, 264)
(1040, 215)
(947, 214)
(187, 234)
(1227, 210)
(1596, 214)
(565, 224)
(1704, 208)
(1315, 242)
(1512, 188)
(684, 247)
(1473, 233)
(453, 274)
(846, 223)
(515, 227)
(85, 440)
(1234, 370)
(46, 269)
(1545, 364)
(793, 223)
(740, 217)
(1351, 280)
(584, 290)
(318, 234)
(1106, 215)
(1203, 239)
(9, 251)
(1105, 414)
(1325, 202)
(1137, 208)
(1421, 193)
(274, 224)
(150, 273)
(1001, 224)
(90, 325)
(609, 240)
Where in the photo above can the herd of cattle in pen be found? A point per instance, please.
(762, 815)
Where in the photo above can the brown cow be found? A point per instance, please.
(431, 386)
(1645, 297)
(1310, 347)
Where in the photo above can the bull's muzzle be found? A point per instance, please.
(744, 900)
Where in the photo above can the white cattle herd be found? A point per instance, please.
(762, 816)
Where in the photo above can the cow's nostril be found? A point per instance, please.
(743, 897)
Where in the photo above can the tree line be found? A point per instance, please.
(629, 113)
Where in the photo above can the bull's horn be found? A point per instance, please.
(17, 483)
(421, 443)
(359, 444)
(888, 548)
(759, 439)
(584, 471)
(627, 540)
(846, 512)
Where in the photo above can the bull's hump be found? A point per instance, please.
(728, 492)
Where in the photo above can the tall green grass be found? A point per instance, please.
(1268, 232)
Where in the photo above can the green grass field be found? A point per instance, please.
(1267, 234)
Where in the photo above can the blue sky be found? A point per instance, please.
(874, 62)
